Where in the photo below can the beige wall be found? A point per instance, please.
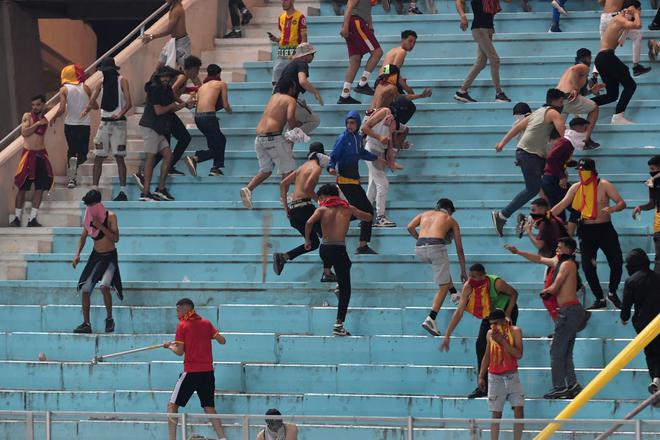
(137, 63)
(73, 39)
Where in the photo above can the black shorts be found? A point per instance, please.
(188, 383)
(42, 181)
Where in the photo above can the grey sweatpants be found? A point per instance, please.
(485, 52)
(561, 349)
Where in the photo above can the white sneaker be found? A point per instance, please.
(429, 326)
(246, 197)
(618, 119)
(654, 386)
(555, 4)
(71, 167)
(72, 183)
(455, 298)
(383, 222)
(296, 136)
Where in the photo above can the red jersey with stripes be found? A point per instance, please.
(196, 334)
(500, 360)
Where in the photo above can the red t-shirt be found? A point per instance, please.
(196, 333)
(555, 163)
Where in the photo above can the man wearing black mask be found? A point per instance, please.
(531, 151)
(654, 202)
(642, 290)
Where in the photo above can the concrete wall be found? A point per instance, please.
(73, 39)
(137, 63)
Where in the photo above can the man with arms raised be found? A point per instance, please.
(271, 147)
(335, 216)
(437, 229)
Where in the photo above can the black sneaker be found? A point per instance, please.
(147, 197)
(654, 26)
(640, 70)
(191, 163)
(174, 172)
(498, 222)
(348, 100)
(463, 97)
(477, 393)
(365, 89)
(520, 225)
(339, 330)
(556, 393)
(415, 11)
(332, 278)
(613, 297)
(598, 304)
(16, 223)
(34, 223)
(585, 321)
(121, 197)
(85, 327)
(573, 391)
(164, 194)
(365, 250)
(109, 325)
(501, 97)
(139, 180)
(589, 144)
(234, 33)
(247, 16)
(216, 172)
(278, 262)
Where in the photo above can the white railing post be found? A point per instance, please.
(638, 429)
(48, 427)
(245, 422)
(410, 428)
(29, 428)
(184, 428)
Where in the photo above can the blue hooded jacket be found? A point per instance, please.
(348, 151)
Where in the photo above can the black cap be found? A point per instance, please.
(496, 315)
(106, 64)
(586, 164)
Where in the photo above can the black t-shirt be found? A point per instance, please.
(157, 94)
(481, 20)
(291, 72)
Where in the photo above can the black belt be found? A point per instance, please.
(300, 203)
(269, 135)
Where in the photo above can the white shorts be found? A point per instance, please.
(274, 151)
(183, 50)
(503, 387)
(110, 137)
(153, 142)
(580, 106)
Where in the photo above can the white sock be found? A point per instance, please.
(364, 79)
(122, 189)
(33, 213)
(346, 90)
(18, 212)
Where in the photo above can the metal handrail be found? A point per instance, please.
(139, 29)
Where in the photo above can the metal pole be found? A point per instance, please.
(29, 429)
(629, 416)
(246, 427)
(638, 429)
(48, 421)
(410, 428)
(184, 428)
(473, 429)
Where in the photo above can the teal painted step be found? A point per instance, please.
(269, 378)
(527, 89)
(402, 187)
(447, 23)
(312, 292)
(291, 319)
(513, 68)
(243, 240)
(298, 349)
(333, 115)
(248, 267)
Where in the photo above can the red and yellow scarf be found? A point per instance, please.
(479, 303)
(500, 360)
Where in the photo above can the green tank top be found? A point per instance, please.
(497, 299)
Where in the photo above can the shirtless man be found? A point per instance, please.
(591, 196)
(397, 56)
(612, 8)
(388, 88)
(437, 229)
(34, 167)
(335, 215)
(571, 318)
(211, 97)
(102, 265)
(271, 146)
(573, 83)
(611, 68)
(176, 28)
(301, 207)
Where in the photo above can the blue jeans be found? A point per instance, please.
(555, 13)
(532, 169)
